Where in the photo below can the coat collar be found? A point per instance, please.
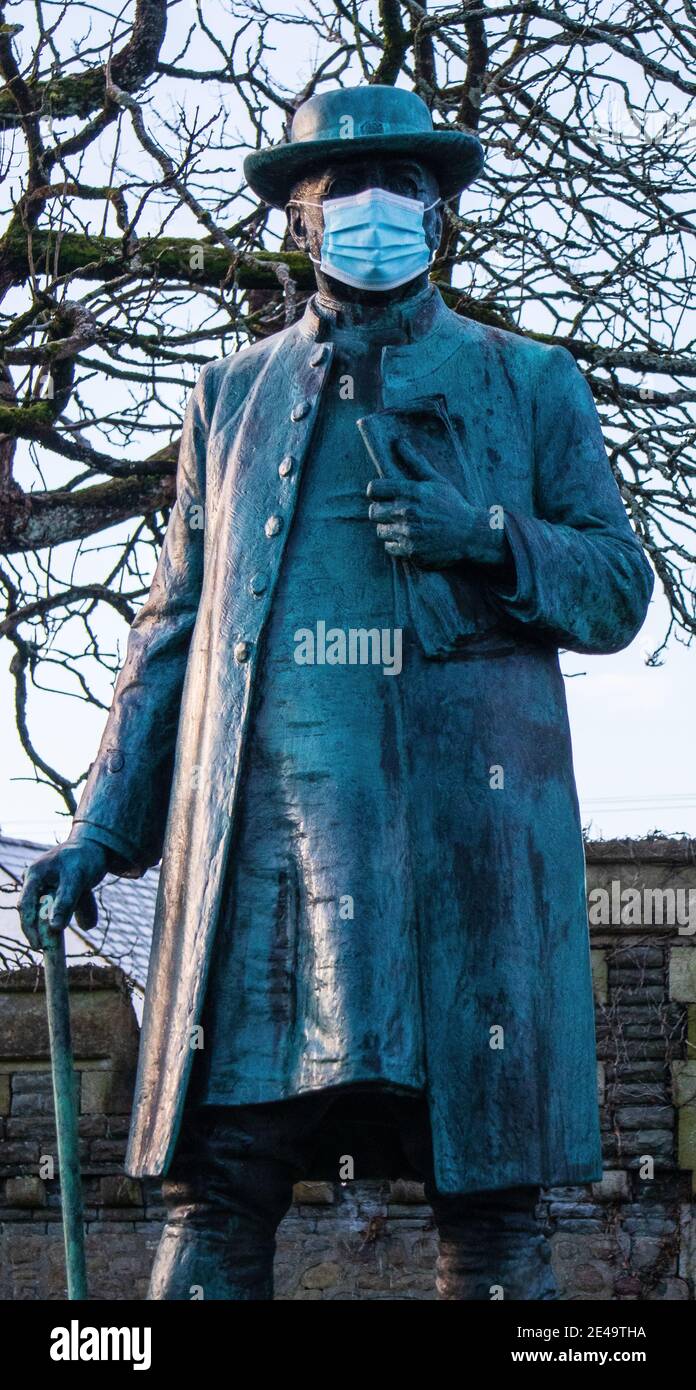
(430, 332)
(406, 320)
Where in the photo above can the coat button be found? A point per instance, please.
(273, 526)
(318, 356)
(242, 652)
(286, 465)
(258, 583)
(299, 410)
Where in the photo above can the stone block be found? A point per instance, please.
(404, 1211)
(10, 1215)
(641, 1093)
(622, 977)
(102, 1019)
(590, 1279)
(322, 1276)
(644, 1116)
(669, 1290)
(31, 1127)
(589, 1227)
(572, 1211)
(600, 987)
(314, 1193)
(682, 974)
(650, 1226)
(610, 1150)
(95, 1092)
(684, 1082)
(94, 1127)
(403, 1192)
(118, 1126)
(646, 1029)
(17, 1154)
(613, 1187)
(647, 1251)
(647, 1072)
(687, 1243)
(107, 1151)
(665, 1189)
(686, 1141)
(25, 1192)
(642, 1049)
(655, 1143)
(33, 1103)
(582, 1265)
(28, 1083)
(5, 1093)
(628, 1286)
(421, 1280)
(117, 1190)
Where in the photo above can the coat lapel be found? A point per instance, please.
(247, 528)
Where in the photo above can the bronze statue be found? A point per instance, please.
(341, 722)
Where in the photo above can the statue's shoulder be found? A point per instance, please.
(517, 352)
(243, 360)
(232, 376)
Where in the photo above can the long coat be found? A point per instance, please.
(505, 985)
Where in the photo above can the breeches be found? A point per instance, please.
(231, 1181)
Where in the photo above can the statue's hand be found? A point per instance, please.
(59, 884)
(429, 521)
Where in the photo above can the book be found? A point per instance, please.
(447, 608)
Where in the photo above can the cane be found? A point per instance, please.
(65, 1104)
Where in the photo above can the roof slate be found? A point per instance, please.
(123, 934)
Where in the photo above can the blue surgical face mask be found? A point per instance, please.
(374, 240)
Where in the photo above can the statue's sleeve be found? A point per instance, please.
(581, 578)
(126, 796)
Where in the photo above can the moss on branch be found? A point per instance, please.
(171, 258)
(26, 421)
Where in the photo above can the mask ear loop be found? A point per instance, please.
(443, 202)
(306, 203)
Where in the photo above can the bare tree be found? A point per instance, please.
(132, 253)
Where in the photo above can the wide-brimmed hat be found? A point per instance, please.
(350, 122)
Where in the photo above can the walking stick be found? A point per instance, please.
(65, 1103)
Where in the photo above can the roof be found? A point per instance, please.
(123, 934)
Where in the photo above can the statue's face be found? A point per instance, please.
(306, 222)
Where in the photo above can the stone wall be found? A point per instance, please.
(632, 1236)
(122, 1223)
